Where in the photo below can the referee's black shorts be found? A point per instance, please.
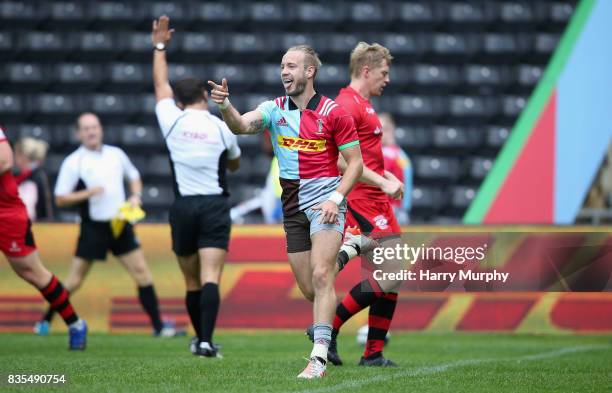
(199, 221)
(96, 238)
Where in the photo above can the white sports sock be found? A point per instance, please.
(319, 350)
(349, 250)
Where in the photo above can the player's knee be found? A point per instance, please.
(322, 276)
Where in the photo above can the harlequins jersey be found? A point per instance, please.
(307, 144)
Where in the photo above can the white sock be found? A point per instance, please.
(319, 350)
(349, 250)
(77, 324)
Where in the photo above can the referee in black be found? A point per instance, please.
(201, 149)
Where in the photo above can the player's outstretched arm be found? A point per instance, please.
(160, 38)
(249, 123)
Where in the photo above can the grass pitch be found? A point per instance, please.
(270, 361)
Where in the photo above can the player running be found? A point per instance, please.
(17, 244)
(368, 203)
(308, 133)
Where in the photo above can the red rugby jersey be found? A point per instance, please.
(9, 196)
(369, 130)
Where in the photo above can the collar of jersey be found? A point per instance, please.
(312, 104)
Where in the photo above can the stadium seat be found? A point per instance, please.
(116, 14)
(117, 107)
(413, 13)
(419, 106)
(236, 75)
(560, 12)
(96, 46)
(215, 16)
(136, 46)
(65, 15)
(497, 135)
(427, 199)
(57, 104)
(7, 50)
(431, 168)
(36, 131)
(77, 76)
(39, 45)
(489, 75)
(333, 74)
(140, 136)
(545, 43)
(179, 13)
(516, 12)
(413, 138)
(506, 44)
(529, 75)
(479, 167)
(25, 77)
(129, 77)
(319, 16)
(369, 15)
(473, 106)
(199, 46)
(462, 196)
(53, 162)
(158, 195)
(62, 136)
(513, 105)
(433, 75)
(16, 14)
(159, 166)
(261, 14)
(457, 138)
(178, 71)
(466, 12)
(403, 45)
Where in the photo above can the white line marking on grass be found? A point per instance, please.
(427, 370)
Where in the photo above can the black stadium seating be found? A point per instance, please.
(463, 72)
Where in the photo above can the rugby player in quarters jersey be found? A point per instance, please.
(92, 178)
(17, 244)
(368, 203)
(308, 132)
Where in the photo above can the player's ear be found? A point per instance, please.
(365, 71)
(310, 71)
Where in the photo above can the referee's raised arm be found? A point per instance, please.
(249, 123)
(160, 37)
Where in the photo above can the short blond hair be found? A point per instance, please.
(33, 149)
(311, 57)
(370, 55)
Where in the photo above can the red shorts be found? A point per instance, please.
(372, 216)
(16, 239)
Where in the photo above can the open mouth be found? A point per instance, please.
(287, 83)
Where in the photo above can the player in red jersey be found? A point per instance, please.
(17, 244)
(368, 203)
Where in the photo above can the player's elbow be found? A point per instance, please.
(60, 201)
(5, 165)
(233, 165)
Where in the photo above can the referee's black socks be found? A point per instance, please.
(192, 302)
(209, 307)
(148, 300)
